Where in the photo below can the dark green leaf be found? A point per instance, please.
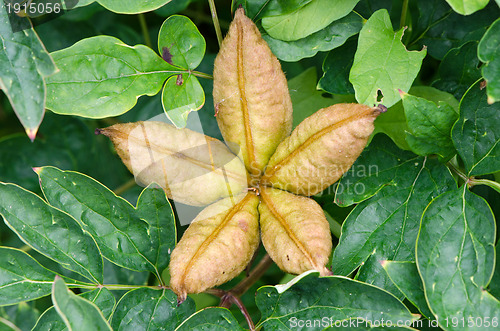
(336, 68)
(258, 8)
(50, 231)
(127, 7)
(137, 238)
(181, 95)
(494, 287)
(467, 7)
(326, 300)
(101, 77)
(22, 278)
(306, 99)
(393, 122)
(488, 51)
(476, 135)
(382, 64)
(77, 313)
(62, 142)
(148, 309)
(455, 257)
(180, 43)
(385, 227)
(453, 30)
(459, 70)
(312, 17)
(210, 319)
(24, 315)
(173, 7)
(407, 279)
(24, 63)
(51, 321)
(326, 39)
(429, 126)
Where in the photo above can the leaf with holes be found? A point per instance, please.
(381, 63)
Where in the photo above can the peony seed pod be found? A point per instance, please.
(294, 232)
(321, 148)
(254, 109)
(192, 168)
(217, 246)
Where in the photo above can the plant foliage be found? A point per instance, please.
(414, 220)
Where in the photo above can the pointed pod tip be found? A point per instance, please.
(381, 108)
(31, 133)
(181, 297)
(98, 131)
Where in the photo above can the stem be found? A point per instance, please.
(202, 75)
(228, 298)
(494, 185)
(144, 28)
(124, 187)
(216, 21)
(254, 275)
(116, 286)
(459, 172)
(404, 10)
(9, 324)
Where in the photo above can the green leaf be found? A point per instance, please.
(126, 7)
(488, 51)
(156, 309)
(385, 226)
(382, 63)
(181, 95)
(210, 319)
(429, 126)
(180, 42)
(258, 8)
(326, 39)
(24, 63)
(77, 312)
(455, 257)
(139, 238)
(378, 165)
(467, 7)
(476, 135)
(306, 20)
(63, 142)
(406, 277)
(22, 278)
(50, 231)
(459, 70)
(336, 67)
(309, 298)
(306, 99)
(102, 77)
(51, 321)
(393, 122)
(494, 287)
(22, 315)
(453, 30)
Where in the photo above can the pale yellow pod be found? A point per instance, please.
(252, 103)
(192, 168)
(216, 247)
(294, 232)
(321, 148)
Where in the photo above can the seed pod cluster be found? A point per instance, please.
(268, 185)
